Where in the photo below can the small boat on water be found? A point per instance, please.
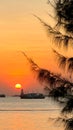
(31, 95)
(2, 95)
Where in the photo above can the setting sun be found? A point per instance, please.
(18, 86)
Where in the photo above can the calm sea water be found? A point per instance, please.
(29, 114)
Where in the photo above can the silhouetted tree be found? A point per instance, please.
(57, 86)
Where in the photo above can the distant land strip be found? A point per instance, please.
(29, 109)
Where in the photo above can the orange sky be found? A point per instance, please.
(20, 30)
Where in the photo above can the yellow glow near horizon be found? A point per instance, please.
(18, 86)
(21, 31)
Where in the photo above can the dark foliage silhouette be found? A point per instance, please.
(64, 12)
(69, 106)
(57, 86)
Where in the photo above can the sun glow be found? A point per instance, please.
(18, 86)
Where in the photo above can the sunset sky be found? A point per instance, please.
(21, 31)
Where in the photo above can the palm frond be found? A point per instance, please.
(62, 59)
(64, 12)
(48, 27)
(51, 16)
(49, 2)
(46, 88)
(34, 66)
(69, 106)
(58, 92)
(57, 37)
(50, 78)
(69, 124)
(70, 64)
(64, 40)
(47, 76)
(43, 74)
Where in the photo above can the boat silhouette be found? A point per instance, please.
(31, 95)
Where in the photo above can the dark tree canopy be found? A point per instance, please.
(64, 11)
(57, 86)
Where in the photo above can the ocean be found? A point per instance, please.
(29, 114)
